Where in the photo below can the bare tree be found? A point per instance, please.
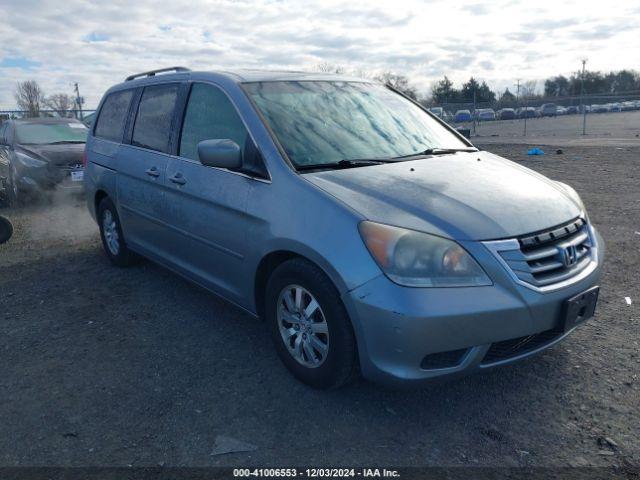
(528, 88)
(398, 82)
(361, 73)
(29, 97)
(326, 67)
(61, 103)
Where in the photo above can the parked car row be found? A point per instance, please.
(615, 107)
(544, 110)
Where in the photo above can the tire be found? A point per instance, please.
(111, 234)
(332, 367)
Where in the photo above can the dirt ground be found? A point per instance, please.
(101, 366)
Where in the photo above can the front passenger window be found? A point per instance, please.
(210, 115)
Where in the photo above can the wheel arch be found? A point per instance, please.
(273, 259)
(98, 197)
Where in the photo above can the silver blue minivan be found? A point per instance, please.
(369, 235)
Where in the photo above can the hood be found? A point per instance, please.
(464, 196)
(61, 155)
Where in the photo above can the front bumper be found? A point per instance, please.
(400, 329)
(46, 177)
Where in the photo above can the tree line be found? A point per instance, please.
(30, 97)
(444, 91)
(622, 81)
(611, 83)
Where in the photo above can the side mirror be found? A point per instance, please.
(223, 153)
(6, 230)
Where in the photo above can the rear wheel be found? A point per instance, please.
(112, 237)
(309, 325)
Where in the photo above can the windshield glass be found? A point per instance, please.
(43, 133)
(325, 122)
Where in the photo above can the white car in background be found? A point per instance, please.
(437, 111)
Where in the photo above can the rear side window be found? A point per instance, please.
(113, 115)
(152, 128)
(210, 115)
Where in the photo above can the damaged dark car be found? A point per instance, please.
(39, 155)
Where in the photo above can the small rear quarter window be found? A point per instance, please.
(113, 116)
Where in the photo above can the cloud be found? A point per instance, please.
(526, 37)
(98, 44)
(550, 23)
(487, 64)
(477, 9)
(603, 31)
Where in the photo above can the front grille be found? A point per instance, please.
(519, 346)
(551, 256)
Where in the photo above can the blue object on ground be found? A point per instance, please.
(535, 151)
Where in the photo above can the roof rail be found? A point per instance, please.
(152, 73)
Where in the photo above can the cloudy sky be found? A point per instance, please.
(97, 44)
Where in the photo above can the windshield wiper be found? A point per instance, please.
(66, 141)
(357, 162)
(437, 151)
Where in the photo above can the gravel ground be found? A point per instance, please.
(112, 367)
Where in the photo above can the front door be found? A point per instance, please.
(206, 206)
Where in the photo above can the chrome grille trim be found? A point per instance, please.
(537, 264)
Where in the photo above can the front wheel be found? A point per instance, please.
(309, 325)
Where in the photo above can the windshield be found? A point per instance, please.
(326, 122)
(43, 133)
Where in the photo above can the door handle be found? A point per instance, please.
(153, 172)
(178, 179)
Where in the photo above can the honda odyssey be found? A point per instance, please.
(369, 235)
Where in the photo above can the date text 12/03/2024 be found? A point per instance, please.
(316, 473)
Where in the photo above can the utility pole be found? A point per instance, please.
(526, 114)
(474, 110)
(524, 110)
(584, 107)
(78, 100)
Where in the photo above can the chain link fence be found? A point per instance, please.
(470, 115)
(85, 116)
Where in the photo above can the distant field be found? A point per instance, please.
(616, 128)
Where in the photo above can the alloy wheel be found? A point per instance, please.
(303, 326)
(110, 229)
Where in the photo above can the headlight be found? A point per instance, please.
(415, 259)
(27, 161)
